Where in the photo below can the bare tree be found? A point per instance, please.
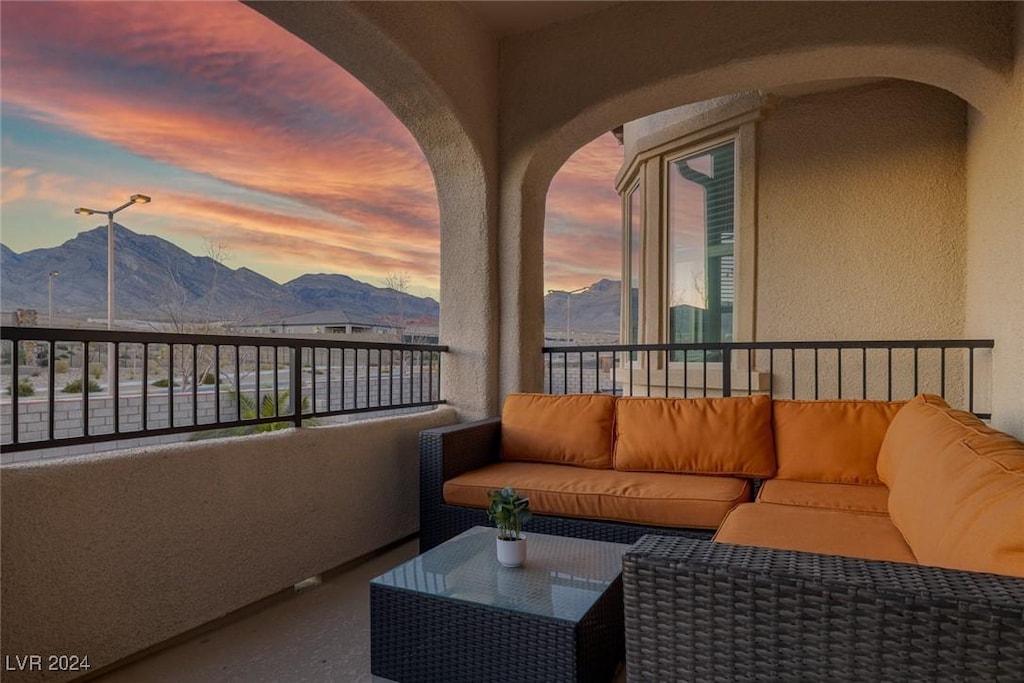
(398, 283)
(183, 312)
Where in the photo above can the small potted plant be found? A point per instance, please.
(509, 511)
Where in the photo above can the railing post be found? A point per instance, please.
(14, 396)
(726, 372)
(296, 385)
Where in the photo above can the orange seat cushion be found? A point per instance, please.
(830, 532)
(873, 499)
(726, 436)
(956, 488)
(830, 441)
(568, 430)
(674, 500)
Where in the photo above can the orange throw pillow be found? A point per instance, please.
(956, 488)
(833, 442)
(920, 429)
(695, 436)
(570, 430)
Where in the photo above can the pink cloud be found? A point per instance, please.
(582, 232)
(247, 104)
(216, 89)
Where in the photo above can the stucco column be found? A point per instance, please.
(521, 254)
(469, 322)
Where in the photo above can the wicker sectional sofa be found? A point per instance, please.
(863, 541)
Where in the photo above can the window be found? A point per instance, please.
(634, 264)
(689, 235)
(701, 197)
(688, 190)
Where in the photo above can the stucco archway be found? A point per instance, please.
(831, 44)
(434, 70)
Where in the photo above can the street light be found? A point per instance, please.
(82, 211)
(49, 297)
(568, 304)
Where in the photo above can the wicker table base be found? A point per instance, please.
(455, 614)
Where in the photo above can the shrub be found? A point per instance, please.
(75, 386)
(164, 383)
(209, 378)
(96, 370)
(247, 408)
(25, 388)
(61, 366)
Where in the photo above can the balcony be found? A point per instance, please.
(197, 534)
(113, 554)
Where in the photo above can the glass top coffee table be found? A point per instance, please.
(455, 614)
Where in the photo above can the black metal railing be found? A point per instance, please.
(883, 370)
(172, 383)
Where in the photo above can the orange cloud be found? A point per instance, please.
(582, 231)
(249, 105)
(329, 179)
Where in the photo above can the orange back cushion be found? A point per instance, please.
(695, 436)
(956, 488)
(569, 430)
(922, 428)
(834, 442)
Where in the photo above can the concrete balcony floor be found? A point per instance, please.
(318, 635)
(321, 634)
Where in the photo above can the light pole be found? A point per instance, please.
(134, 199)
(568, 304)
(49, 297)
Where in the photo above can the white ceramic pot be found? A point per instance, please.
(512, 553)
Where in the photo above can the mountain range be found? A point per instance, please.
(157, 280)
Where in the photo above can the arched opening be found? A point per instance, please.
(435, 71)
(794, 75)
(814, 211)
(582, 247)
(271, 194)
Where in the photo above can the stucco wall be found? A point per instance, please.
(634, 132)
(106, 555)
(995, 239)
(861, 215)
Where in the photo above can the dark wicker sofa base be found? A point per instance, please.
(447, 452)
(702, 611)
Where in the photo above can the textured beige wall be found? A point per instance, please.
(995, 239)
(639, 135)
(861, 215)
(106, 555)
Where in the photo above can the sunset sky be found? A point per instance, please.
(244, 134)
